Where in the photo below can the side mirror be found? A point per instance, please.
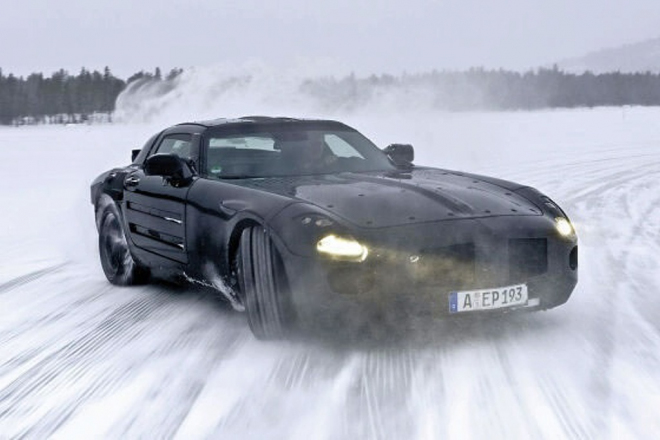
(134, 154)
(171, 167)
(402, 155)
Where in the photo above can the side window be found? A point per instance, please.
(340, 147)
(179, 144)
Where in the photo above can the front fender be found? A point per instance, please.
(301, 225)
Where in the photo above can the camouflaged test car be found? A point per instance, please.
(294, 220)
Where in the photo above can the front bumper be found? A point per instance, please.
(412, 271)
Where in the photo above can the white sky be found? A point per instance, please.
(376, 36)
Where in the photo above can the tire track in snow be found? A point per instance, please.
(644, 195)
(81, 361)
(621, 196)
(201, 357)
(308, 377)
(68, 363)
(379, 398)
(30, 277)
(182, 370)
(608, 187)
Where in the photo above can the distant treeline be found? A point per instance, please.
(63, 97)
(480, 89)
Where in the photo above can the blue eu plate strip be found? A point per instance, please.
(453, 302)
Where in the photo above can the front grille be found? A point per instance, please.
(446, 266)
(528, 257)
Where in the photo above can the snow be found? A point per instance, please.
(80, 358)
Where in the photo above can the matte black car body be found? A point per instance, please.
(429, 231)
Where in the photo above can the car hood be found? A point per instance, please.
(377, 200)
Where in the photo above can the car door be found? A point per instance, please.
(154, 208)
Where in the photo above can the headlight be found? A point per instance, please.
(342, 248)
(564, 227)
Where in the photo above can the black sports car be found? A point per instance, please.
(297, 221)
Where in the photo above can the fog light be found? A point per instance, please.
(342, 248)
(564, 227)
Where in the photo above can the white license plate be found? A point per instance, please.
(488, 299)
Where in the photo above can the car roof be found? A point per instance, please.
(252, 119)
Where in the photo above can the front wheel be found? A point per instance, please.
(263, 286)
(118, 264)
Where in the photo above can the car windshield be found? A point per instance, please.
(290, 150)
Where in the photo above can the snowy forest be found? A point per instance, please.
(91, 95)
(65, 98)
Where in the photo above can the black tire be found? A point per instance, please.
(116, 260)
(263, 286)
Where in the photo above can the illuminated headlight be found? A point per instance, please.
(564, 227)
(342, 248)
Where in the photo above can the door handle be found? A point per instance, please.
(132, 181)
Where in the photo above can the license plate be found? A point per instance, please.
(488, 299)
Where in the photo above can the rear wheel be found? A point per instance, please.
(118, 264)
(263, 286)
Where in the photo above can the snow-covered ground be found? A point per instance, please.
(80, 358)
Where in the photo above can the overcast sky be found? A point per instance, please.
(376, 36)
